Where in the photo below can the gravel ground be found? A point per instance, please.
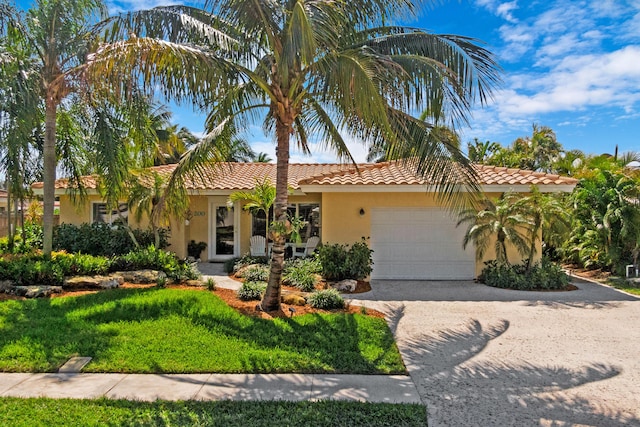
(481, 356)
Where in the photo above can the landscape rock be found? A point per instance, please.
(196, 283)
(347, 285)
(293, 299)
(93, 282)
(142, 276)
(37, 291)
(6, 286)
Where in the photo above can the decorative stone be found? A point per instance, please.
(293, 299)
(37, 291)
(6, 286)
(195, 283)
(142, 276)
(347, 285)
(93, 282)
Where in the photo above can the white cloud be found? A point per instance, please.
(121, 6)
(505, 10)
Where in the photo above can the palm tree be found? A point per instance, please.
(481, 151)
(547, 214)
(307, 69)
(259, 200)
(58, 32)
(501, 222)
(262, 158)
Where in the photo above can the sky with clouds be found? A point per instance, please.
(571, 65)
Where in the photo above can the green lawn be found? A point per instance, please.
(182, 331)
(624, 285)
(66, 412)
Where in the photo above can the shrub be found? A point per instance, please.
(333, 259)
(302, 273)
(255, 273)
(251, 291)
(156, 259)
(341, 262)
(38, 269)
(27, 239)
(102, 239)
(326, 299)
(210, 284)
(359, 262)
(234, 264)
(543, 276)
(81, 264)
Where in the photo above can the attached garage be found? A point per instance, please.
(419, 243)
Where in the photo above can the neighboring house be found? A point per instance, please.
(411, 234)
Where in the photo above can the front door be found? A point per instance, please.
(223, 231)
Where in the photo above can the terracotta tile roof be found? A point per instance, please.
(242, 176)
(396, 173)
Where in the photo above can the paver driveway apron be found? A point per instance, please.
(483, 356)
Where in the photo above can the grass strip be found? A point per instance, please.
(15, 412)
(183, 331)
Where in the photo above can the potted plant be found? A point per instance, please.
(194, 249)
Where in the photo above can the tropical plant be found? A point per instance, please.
(260, 199)
(501, 222)
(481, 151)
(548, 216)
(308, 68)
(326, 299)
(57, 34)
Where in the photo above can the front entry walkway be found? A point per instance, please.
(482, 356)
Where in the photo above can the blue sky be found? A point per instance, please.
(571, 65)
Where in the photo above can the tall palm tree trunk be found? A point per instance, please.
(271, 299)
(49, 173)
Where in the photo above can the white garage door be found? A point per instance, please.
(419, 243)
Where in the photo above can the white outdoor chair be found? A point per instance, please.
(309, 247)
(258, 246)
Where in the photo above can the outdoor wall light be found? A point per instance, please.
(361, 211)
(187, 217)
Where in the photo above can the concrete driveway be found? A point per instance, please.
(481, 356)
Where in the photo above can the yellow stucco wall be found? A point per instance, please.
(342, 222)
(340, 219)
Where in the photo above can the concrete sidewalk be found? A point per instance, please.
(150, 387)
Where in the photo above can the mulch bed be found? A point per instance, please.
(229, 296)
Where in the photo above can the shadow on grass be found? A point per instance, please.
(39, 335)
(63, 327)
(504, 393)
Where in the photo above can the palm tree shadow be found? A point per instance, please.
(459, 391)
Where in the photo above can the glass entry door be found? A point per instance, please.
(224, 230)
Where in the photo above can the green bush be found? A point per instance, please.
(38, 269)
(302, 273)
(341, 262)
(251, 291)
(543, 276)
(333, 259)
(27, 239)
(155, 259)
(81, 264)
(234, 264)
(326, 299)
(255, 273)
(102, 239)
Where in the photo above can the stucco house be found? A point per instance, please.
(412, 235)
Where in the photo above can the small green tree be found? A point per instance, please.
(502, 220)
(259, 200)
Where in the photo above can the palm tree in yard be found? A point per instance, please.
(309, 70)
(548, 215)
(58, 33)
(501, 222)
(260, 199)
